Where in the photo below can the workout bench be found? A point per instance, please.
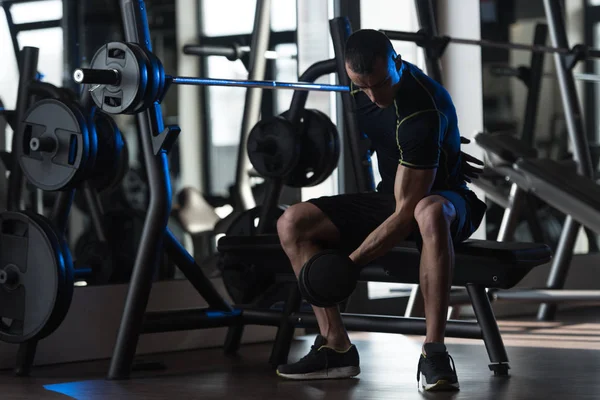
(480, 264)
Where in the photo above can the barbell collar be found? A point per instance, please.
(97, 76)
(44, 144)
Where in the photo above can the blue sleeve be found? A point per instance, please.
(419, 137)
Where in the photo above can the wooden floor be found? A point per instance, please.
(558, 360)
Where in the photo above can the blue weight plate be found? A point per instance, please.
(65, 272)
(127, 96)
(31, 276)
(63, 156)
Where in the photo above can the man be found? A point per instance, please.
(412, 124)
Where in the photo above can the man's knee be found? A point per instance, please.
(434, 215)
(296, 222)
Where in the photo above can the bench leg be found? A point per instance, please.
(490, 331)
(285, 332)
(233, 339)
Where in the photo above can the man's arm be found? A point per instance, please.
(410, 186)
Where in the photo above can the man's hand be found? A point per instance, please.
(468, 171)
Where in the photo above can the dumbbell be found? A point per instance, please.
(328, 278)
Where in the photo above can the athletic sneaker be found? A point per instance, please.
(323, 362)
(436, 368)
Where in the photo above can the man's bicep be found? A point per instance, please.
(411, 185)
(419, 139)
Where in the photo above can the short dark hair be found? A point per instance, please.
(364, 47)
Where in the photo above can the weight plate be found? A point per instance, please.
(96, 256)
(155, 77)
(335, 148)
(135, 190)
(247, 282)
(53, 145)
(144, 97)
(320, 150)
(88, 169)
(108, 169)
(32, 273)
(113, 262)
(273, 147)
(66, 286)
(129, 93)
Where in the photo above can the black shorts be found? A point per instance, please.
(356, 215)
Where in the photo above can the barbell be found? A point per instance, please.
(423, 39)
(587, 77)
(127, 78)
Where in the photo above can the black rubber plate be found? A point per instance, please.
(27, 307)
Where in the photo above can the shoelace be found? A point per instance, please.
(438, 367)
(313, 350)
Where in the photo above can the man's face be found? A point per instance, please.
(379, 85)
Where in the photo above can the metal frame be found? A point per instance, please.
(552, 294)
(581, 152)
(15, 29)
(564, 64)
(591, 19)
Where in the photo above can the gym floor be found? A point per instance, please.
(554, 360)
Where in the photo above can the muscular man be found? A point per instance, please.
(412, 124)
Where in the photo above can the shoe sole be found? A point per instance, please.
(333, 373)
(441, 385)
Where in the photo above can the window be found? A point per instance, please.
(226, 104)
(50, 44)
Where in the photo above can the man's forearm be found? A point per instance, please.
(387, 235)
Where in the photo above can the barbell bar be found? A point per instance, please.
(587, 77)
(112, 77)
(424, 40)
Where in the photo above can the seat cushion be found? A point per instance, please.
(488, 263)
(564, 190)
(505, 145)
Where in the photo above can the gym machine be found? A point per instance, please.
(574, 193)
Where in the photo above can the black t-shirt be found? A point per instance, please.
(420, 130)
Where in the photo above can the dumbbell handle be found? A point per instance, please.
(97, 76)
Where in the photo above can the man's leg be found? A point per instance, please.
(434, 215)
(444, 218)
(342, 221)
(304, 230)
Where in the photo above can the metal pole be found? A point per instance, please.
(426, 16)
(560, 265)
(587, 77)
(150, 124)
(534, 86)
(71, 35)
(511, 214)
(426, 40)
(27, 74)
(579, 140)
(361, 161)
(258, 64)
(191, 159)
